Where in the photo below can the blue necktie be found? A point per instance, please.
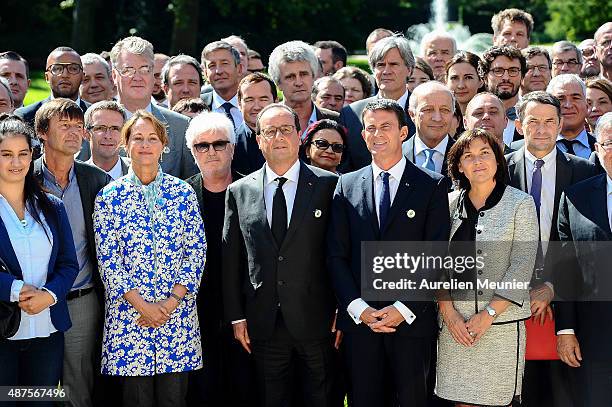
(569, 145)
(227, 106)
(536, 185)
(385, 199)
(429, 163)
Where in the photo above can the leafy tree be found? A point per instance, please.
(576, 20)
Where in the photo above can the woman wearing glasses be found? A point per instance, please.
(36, 247)
(324, 143)
(151, 251)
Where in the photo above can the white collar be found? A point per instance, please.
(548, 158)
(218, 101)
(609, 185)
(402, 100)
(77, 101)
(419, 145)
(396, 171)
(129, 114)
(292, 174)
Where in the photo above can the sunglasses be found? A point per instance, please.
(218, 145)
(324, 145)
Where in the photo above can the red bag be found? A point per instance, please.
(541, 340)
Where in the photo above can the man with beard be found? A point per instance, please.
(159, 96)
(14, 68)
(502, 69)
(63, 73)
(603, 40)
(538, 70)
(590, 64)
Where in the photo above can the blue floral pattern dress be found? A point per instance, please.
(149, 238)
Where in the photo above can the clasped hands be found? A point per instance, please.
(156, 314)
(467, 333)
(32, 300)
(384, 320)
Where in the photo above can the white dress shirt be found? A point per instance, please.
(509, 133)
(218, 101)
(289, 189)
(33, 251)
(402, 101)
(115, 172)
(358, 305)
(129, 114)
(547, 199)
(420, 156)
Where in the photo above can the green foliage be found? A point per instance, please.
(39, 89)
(576, 20)
(360, 61)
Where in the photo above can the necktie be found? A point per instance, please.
(569, 145)
(227, 106)
(511, 113)
(279, 212)
(385, 199)
(429, 163)
(536, 193)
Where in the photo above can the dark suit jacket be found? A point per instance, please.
(583, 217)
(125, 165)
(91, 180)
(354, 220)
(258, 275)
(595, 160)
(207, 98)
(247, 155)
(28, 112)
(61, 272)
(570, 169)
(356, 155)
(323, 113)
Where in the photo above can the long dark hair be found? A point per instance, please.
(36, 200)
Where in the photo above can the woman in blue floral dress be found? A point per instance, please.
(151, 253)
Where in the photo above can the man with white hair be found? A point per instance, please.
(603, 41)
(571, 92)
(391, 61)
(294, 66)
(432, 106)
(132, 59)
(437, 48)
(97, 84)
(210, 138)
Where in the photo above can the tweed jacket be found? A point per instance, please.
(506, 237)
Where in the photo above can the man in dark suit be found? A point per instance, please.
(486, 111)
(293, 66)
(59, 124)
(255, 92)
(544, 171)
(390, 200)
(280, 300)
(210, 137)
(573, 137)
(103, 123)
(132, 60)
(63, 73)
(583, 321)
(431, 108)
(392, 63)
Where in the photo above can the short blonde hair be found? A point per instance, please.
(160, 128)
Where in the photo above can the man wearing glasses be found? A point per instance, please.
(63, 73)
(133, 60)
(566, 58)
(276, 287)
(103, 123)
(538, 70)
(603, 41)
(503, 68)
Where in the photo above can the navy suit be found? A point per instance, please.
(354, 220)
(247, 155)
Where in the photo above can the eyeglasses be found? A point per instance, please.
(324, 145)
(512, 72)
(559, 62)
(102, 129)
(605, 44)
(130, 71)
(607, 145)
(58, 69)
(272, 131)
(218, 145)
(541, 68)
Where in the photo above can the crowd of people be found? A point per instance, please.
(173, 234)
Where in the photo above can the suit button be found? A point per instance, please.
(281, 258)
(479, 292)
(481, 214)
(478, 231)
(281, 282)
(479, 251)
(480, 272)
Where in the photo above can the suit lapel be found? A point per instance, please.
(563, 179)
(408, 149)
(124, 166)
(259, 203)
(7, 253)
(518, 172)
(450, 143)
(369, 204)
(303, 196)
(599, 205)
(198, 188)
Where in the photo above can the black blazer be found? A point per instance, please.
(583, 217)
(247, 155)
(28, 112)
(91, 180)
(408, 151)
(354, 220)
(595, 160)
(570, 169)
(258, 275)
(357, 155)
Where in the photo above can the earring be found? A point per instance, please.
(166, 150)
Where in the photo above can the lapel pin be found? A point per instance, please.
(317, 213)
(410, 213)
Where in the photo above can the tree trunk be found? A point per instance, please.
(83, 25)
(185, 32)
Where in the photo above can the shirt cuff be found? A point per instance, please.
(15, 290)
(356, 308)
(566, 332)
(408, 315)
(238, 321)
(52, 295)
(551, 286)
